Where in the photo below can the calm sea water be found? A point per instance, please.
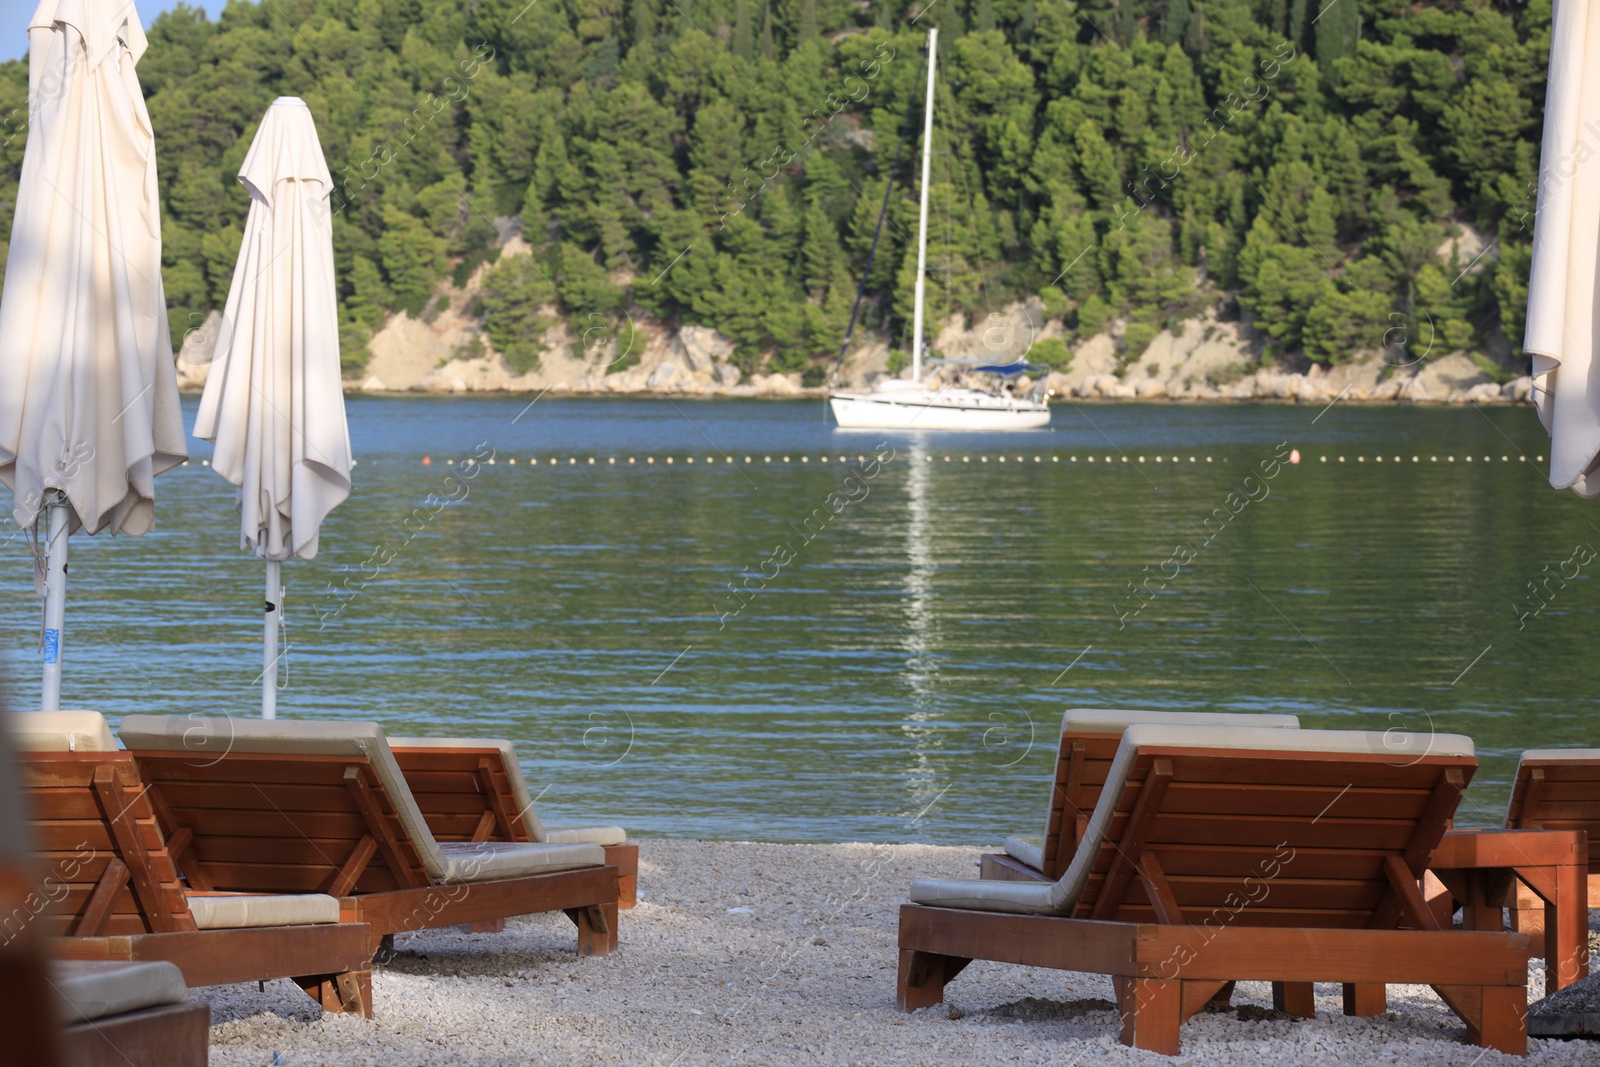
(897, 668)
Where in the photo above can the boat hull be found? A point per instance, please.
(936, 412)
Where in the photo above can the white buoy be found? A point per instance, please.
(1294, 455)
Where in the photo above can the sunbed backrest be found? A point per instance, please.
(106, 866)
(1264, 827)
(1089, 740)
(1558, 789)
(457, 781)
(283, 805)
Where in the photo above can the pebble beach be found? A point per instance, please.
(785, 954)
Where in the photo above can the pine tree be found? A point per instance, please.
(1175, 21)
(768, 51)
(985, 20)
(1296, 31)
(808, 22)
(1337, 30)
(743, 41)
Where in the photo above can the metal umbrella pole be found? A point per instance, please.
(58, 513)
(269, 653)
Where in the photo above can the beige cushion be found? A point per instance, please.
(1061, 896)
(61, 731)
(1114, 721)
(586, 835)
(96, 989)
(479, 861)
(1028, 848)
(1556, 755)
(362, 740)
(235, 911)
(565, 835)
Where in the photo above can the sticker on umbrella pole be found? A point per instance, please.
(52, 646)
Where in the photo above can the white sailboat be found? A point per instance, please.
(901, 404)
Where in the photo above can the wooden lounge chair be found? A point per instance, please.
(27, 1005)
(472, 789)
(1557, 789)
(112, 890)
(129, 1015)
(1218, 853)
(322, 807)
(1089, 739)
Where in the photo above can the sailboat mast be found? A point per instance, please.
(922, 224)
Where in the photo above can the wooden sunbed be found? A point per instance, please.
(27, 1005)
(82, 1014)
(472, 789)
(112, 889)
(128, 1015)
(322, 807)
(1089, 739)
(1556, 789)
(1222, 854)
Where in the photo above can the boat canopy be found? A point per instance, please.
(1004, 370)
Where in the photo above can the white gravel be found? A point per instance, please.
(784, 954)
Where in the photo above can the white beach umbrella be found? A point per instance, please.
(88, 390)
(273, 405)
(1563, 305)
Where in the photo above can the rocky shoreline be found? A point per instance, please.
(1203, 359)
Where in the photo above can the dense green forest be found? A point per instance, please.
(723, 162)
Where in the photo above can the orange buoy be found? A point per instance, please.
(427, 461)
(1294, 455)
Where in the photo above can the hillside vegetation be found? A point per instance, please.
(722, 162)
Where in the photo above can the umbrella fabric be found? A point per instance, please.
(1562, 302)
(88, 387)
(273, 405)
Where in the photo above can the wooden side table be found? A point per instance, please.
(1482, 869)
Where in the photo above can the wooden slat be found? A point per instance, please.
(96, 911)
(434, 906)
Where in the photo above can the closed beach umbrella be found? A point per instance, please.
(1562, 302)
(88, 390)
(273, 405)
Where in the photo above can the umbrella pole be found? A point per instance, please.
(55, 596)
(269, 656)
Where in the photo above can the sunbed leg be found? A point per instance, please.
(1365, 998)
(922, 978)
(1504, 1022)
(1440, 900)
(1223, 997)
(348, 992)
(625, 858)
(1295, 998)
(1152, 1011)
(1527, 915)
(385, 952)
(1566, 939)
(597, 928)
